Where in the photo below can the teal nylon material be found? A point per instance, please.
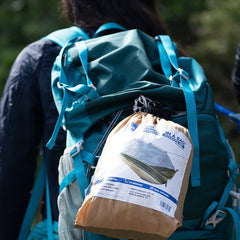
(77, 113)
(197, 235)
(83, 55)
(118, 89)
(62, 36)
(94, 236)
(139, 51)
(86, 91)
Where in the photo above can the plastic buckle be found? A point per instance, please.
(217, 217)
(94, 88)
(59, 85)
(183, 73)
(235, 194)
(93, 94)
(76, 149)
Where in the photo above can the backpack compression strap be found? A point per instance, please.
(168, 60)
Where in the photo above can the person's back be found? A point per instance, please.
(27, 111)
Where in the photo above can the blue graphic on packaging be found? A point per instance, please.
(151, 129)
(133, 126)
(138, 184)
(179, 141)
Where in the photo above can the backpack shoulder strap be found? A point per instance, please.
(62, 36)
(33, 202)
(48, 227)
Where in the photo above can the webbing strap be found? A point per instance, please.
(166, 66)
(233, 168)
(208, 212)
(193, 129)
(46, 225)
(236, 221)
(213, 215)
(71, 176)
(58, 124)
(80, 174)
(168, 46)
(33, 203)
(79, 168)
(62, 83)
(108, 26)
(49, 211)
(83, 55)
(169, 57)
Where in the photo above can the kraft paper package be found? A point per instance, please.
(141, 180)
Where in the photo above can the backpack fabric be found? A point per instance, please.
(94, 79)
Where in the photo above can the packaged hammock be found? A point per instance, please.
(141, 180)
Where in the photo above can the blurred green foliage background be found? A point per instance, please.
(208, 30)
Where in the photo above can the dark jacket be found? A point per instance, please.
(27, 118)
(236, 75)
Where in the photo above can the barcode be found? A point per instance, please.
(165, 206)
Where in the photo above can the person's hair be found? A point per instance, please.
(140, 14)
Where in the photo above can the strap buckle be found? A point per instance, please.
(180, 72)
(76, 148)
(217, 217)
(183, 73)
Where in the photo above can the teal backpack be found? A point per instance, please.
(95, 83)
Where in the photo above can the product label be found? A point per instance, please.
(144, 165)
